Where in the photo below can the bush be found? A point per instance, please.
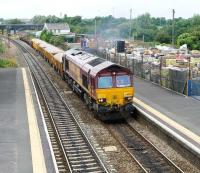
(191, 39)
(7, 63)
(57, 40)
(46, 36)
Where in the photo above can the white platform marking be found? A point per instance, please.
(169, 121)
(35, 140)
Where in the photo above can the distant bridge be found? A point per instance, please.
(20, 27)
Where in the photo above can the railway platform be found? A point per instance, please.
(177, 114)
(24, 145)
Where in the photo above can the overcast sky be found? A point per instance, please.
(91, 8)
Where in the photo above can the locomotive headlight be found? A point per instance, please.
(128, 98)
(101, 100)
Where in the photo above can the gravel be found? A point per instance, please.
(164, 147)
(99, 136)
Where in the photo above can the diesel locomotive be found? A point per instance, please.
(107, 88)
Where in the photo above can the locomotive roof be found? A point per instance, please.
(40, 42)
(52, 49)
(59, 56)
(87, 61)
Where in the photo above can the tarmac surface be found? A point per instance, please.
(16, 147)
(180, 113)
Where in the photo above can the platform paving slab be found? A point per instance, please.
(15, 148)
(179, 113)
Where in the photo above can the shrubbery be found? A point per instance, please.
(7, 63)
(191, 39)
(49, 37)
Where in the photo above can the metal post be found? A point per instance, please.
(115, 54)
(142, 65)
(189, 68)
(8, 40)
(126, 64)
(161, 70)
(150, 71)
(133, 65)
(173, 24)
(95, 32)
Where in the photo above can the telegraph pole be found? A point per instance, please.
(95, 33)
(173, 24)
(95, 28)
(130, 24)
(113, 11)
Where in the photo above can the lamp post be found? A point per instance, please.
(189, 60)
(161, 62)
(142, 56)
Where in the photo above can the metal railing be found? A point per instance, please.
(155, 71)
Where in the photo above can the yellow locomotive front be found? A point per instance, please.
(114, 93)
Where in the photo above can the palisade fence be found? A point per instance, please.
(173, 78)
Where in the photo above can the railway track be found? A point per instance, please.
(145, 154)
(74, 152)
(142, 151)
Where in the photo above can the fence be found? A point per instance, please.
(194, 88)
(155, 71)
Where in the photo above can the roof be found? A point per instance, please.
(40, 42)
(53, 50)
(86, 61)
(60, 26)
(59, 56)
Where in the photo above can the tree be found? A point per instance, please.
(163, 37)
(57, 40)
(153, 29)
(75, 20)
(195, 20)
(191, 39)
(15, 21)
(38, 19)
(53, 19)
(46, 36)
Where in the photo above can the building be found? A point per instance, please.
(57, 28)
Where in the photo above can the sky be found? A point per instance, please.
(90, 8)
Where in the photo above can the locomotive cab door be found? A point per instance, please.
(89, 82)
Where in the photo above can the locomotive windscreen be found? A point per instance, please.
(123, 81)
(105, 82)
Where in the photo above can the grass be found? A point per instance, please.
(4, 63)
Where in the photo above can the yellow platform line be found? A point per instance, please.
(169, 121)
(35, 140)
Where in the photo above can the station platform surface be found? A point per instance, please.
(24, 145)
(177, 113)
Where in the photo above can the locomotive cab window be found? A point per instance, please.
(105, 82)
(123, 81)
